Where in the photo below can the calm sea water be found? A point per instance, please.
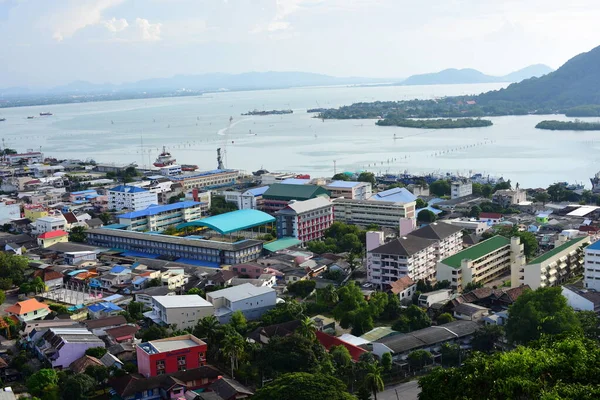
(193, 127)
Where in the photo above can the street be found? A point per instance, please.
(406, 391)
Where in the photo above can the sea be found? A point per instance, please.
(192, 128)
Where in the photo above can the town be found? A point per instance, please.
(121, 282)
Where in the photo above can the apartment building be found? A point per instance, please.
(554, 267)
(252, 301)
(349, 190)
(482, 263)
(251, 199)
(207, 179)
(184, 311)
(507, 197)
(9, 210)
(170, 355)
(591, 275)
(460, 188)
(305, 220)
(125, 197)
(367, 212)
(279, 195)
(158, 218)
(49, 224)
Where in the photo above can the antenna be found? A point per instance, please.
(334, 168)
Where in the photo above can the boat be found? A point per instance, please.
(596, 183)
(2, 119)
(260, 172)
(164, 159)
(45, 114)
(31, 117)
(188, 167)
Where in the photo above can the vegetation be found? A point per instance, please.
(583, 111)
(426, 216)
(44, 384)
(411, 319)
(528, 239)
(126, 176)
(77, 234)
(419, 358)
(303, 386)
(340, 177)
(218, 205)
(568, 126)
(444, 318)
(440, 188)
(367, 177)
(392, 120)
(13, 270)
(338, 238)
(97, 352)
(486, 337)
(302, 288)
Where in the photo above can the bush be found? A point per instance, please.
(302, 288)
(97, 352)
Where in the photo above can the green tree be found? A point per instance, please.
(451, 354)
(444, 318)
(367, 177)
(238, 322)
(283, 312)
(340, 177)
(78, 387)
(377, 303)
(353, 310)
(475, 212)
(373, 379)
(99, 372)
(329, 295)
(170, 230)
(412, 319)
(541, 312)
(195, 290)
(97, 352)
(303, 386)
(486, 337)
(386, 361)
(590, 324)
(340, 356)
(233, 347)
(302, 288)
(77, 234)
(42, 382)
(154, 332)
(106, 218)
(206, 328)
(419, 358)
(293, 353)
(426, 216)
(472, 286)
(421, 203)
(440, 188)
(307, 328)
(542, 197)
(218, 205)
(2, 297)
(392, 308)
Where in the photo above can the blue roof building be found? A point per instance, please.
(130, 197)
(233, 221)
(350, 190)
(105, 309)
(295, 181)
(158, 218)
(259, 191)
(396, 195)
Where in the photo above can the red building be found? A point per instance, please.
(166, 356)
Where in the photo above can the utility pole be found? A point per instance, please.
(334, 167)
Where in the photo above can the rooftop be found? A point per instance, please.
(105, 322)
(344, 184)
(232, 221)
(295, 181)
(155, 209)
(307, 205)
(241, 292)
(202, 173)
(436, 230)
(128, 189)
(404, 246)
(170, 344)
(187, 300)
(477, 251)
(555, 251)
(594, 246)
(259, 191)
(397, 195)
(23, 307)
(281, 244)
(280, 191)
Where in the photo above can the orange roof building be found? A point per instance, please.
(28, 310)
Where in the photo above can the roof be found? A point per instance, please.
(259, 191)
(279, 191)
(229, 389)
(48, 275)
(283, 329)
(69, 247)
(329, 341)
(186, 300)
(128, 189)
(469, 309)
(490, 215)
(378, 333)
(281, 244)
(549, 254)
(582, 211)
(155, 209)
(241, 292)
(344, 184)
(80, 365)
(105, 322)
(53, 234)
(404, 246)
(436, 230)
(105, 306)
(295, 181)
(23, 307)
(70, 218)
(477, 251)
(94, 222)
(232, 221)
(397, 195)
(594, 246)
(122, 331)
(307, 205)
(401, 284)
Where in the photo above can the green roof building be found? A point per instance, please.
(279, 195)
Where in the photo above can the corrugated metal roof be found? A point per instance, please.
(232, 221)
(557, 250)
(156, 209)
(477, 251)
(281, 244)
(397, 195)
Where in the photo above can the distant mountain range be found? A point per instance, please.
(467, 75)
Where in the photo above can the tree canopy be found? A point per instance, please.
(304, 386)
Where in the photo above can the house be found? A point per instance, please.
(250, 270)
(470, 312)
(94, 223)
(103, 310)
(349, 190)
(52, 279)
(324, 324)
(50, 238)
(61, 346)
(429, 298)
(263, 335)
(99, 326)
(225, 389)
(491, 218)
(329, 341)
(28, 310)
(125, 197)
(166, 356)
(111, 361)
(145, 296)
(508, 197)
(582, 299)
(184, 311)
(305, 220)
(120, 334)
(81, 364)
(404, 288)
(251, 300)
(118, 275)
(49, 224)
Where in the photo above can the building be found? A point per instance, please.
(49, 224)
(470, 312)
(28, 310)
(554, 267)
(279, 195)
(157, 218)
(145, 296)
(275, 177)
(508, 197)
(9, 210)
(51, 238)
(349, 190)
(475, 227)
(171, 170)
(305, 220)
(104, 310)
(482, 263)
(368, 212)
(166, 356)
(251, 300)
(460, 188)
(188, 248)
(31, 157)
(207, 179)
(591, 275)
(125, 197)
(404, 288)
(582, 299)
(437, 296)
(184, 311)
(52, 279)
(251, 199)
(61, 346)
(414, 255)
(34, 211)
(491, 218)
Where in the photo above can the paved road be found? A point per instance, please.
(406, 391)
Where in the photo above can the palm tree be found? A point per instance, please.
(307, 328)
(233, 347)
(373, 380)
(207, 328)
(330, 295)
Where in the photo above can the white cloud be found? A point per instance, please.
(148, 31)
(115, 25)
(78, 15)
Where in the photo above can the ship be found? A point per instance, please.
(164, 159)
(2, 119)
(45, 114)
(31, 117)
(188, 167)
(596, 183)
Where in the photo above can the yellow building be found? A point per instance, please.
(48, 239)
(33, 213)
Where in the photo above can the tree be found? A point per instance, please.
(386, 361)
(2, 297)
(440, 188)
(302, 288)
(589, 324)
(13, 269)
(542, 197)
(293, 353)
(475, 212)
(426, 216)
(78, 387)
(97, 352)
(353, 310)
(170, 230)
(238, 322)
(77, 234)
(329, 295)
(154, 332)
(530, 243)
(106, 218)
(218, 205)
(421, 203)
(392, 308)
(412, 319)
(419, 358)
(154, 282)
(99, 372)
(43, 381)
(303, 386)
(340, 356)
(206, 328)
(472, 286)
(444, 318)
(340, 177)
(541, 312)
(377, 303)
(451, 354)
(486, 337)
(307, 328)
(283, 312)
(233, 347)
(195, 290)
(367, 177)
(135, 309)
(373, 380)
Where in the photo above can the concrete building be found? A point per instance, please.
(49, 224)
(34, 211)
(184, 311)
(9, 210)
(251, 199)
(31, 157)
(279, 195)
(251, 300)
(349, 190)
(582, 299)
(170, 170)
(437, 296)
(275, 177)
(367, 212)
(475, 227)
(158, 218)
(28, 310)
(554, 267)
(507, 197)
(491, 218)
(61, 346)
(482, 263)
(404, 288)
(305, 220)
(591, 275)
(124, 197)
(461, 188)
(207, 179)
(51, 238)
(166, 356)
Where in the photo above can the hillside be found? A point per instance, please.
(468, 75)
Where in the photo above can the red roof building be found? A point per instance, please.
(329, 341)
(53, 234)
(490, 216)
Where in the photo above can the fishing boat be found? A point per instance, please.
(45, 114)
(31, 117)
(2, 119)
(164, 159)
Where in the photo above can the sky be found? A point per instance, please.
(53, 42)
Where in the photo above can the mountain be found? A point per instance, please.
(576, 83)
(467, 75)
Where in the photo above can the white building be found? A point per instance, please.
(251, 300)
(275, 177)
(158, 218)
(349, 190)
(305, 220)
(130, 198)
(49, 224)
(476, 227)
(582, 299)
(9, 210)
(461, 188)
(591, 275)
(171, 170)
(427, 299)
(207, 179)
(367, 212)
(508, 197)
(184, 311)
(250, 199)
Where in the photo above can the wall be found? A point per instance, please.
(147, 362)
(187, 317)
(576, 301)
(71, 352)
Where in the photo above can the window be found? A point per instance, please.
(181, 363)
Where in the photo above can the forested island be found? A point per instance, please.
(269, 112)
(569, 126)
(435, 123)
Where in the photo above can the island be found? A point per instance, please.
(569, 126)
(269, 112)
(435, 123)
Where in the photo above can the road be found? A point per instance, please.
(406, 391)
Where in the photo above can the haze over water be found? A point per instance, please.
(193, 127)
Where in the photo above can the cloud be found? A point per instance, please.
(77, 15)
(115, 25)
(148, 31)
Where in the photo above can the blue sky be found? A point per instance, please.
(52, 42)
